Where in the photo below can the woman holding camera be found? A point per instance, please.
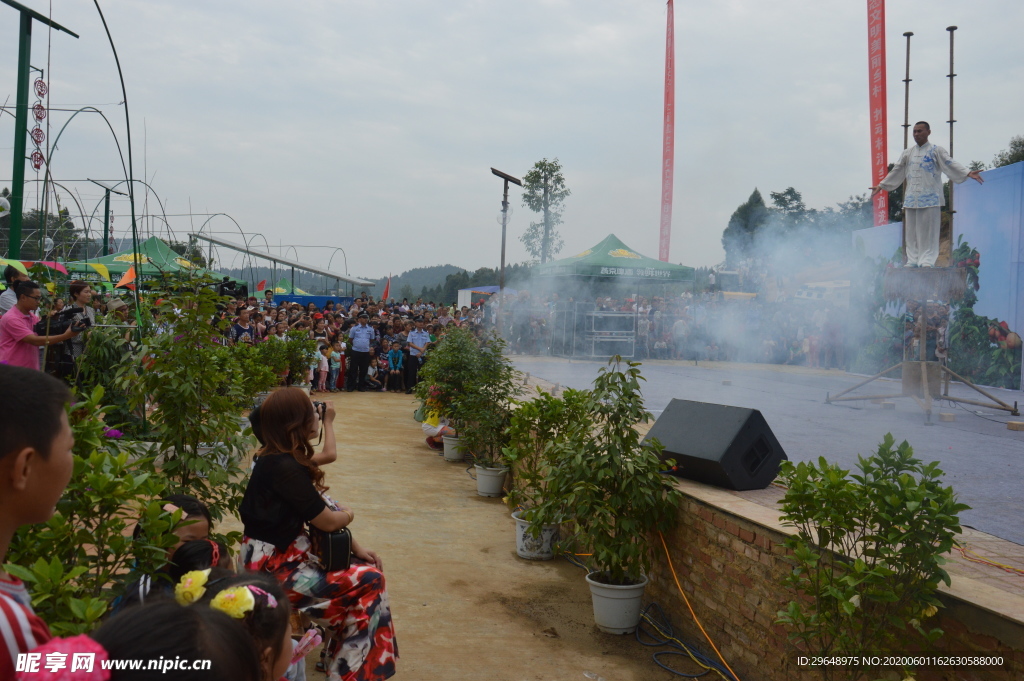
(80, 295)
(284, 500)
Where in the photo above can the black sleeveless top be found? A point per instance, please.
(279, 500)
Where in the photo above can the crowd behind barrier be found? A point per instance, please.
(704, 326)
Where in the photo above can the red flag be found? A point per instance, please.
(128, 277)
(387, 290)
(668, 138)
(262, 285)
(878, 115)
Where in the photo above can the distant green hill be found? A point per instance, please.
(416, 279)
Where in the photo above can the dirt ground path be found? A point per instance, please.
(464, 605)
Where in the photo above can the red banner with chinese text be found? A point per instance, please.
(668, 138)
(878, 118)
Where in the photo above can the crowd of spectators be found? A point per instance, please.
(368, 345)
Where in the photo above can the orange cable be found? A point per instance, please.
(690, 608)
(975, 558)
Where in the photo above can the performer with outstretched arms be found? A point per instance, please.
(922, 166)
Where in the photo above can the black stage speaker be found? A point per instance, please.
(730, 447)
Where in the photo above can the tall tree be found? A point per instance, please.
(544, 191)
(1013, 154)
(738, 237)
(789, 206)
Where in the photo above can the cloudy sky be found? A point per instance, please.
(372, 126)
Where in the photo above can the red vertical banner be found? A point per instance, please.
(878, 118)
(668, 138)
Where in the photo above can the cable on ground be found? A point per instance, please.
(975, 558)
(663, 627)
(690, 608)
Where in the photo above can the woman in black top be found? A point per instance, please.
(286, 491)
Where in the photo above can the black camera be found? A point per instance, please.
(61, 322)
(320, 408)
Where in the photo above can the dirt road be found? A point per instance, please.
(465, 606)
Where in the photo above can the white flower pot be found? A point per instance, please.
(540, 547)
(453, 449)
(490, 481)
(616, 608)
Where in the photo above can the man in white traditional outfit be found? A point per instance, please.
(922, 166)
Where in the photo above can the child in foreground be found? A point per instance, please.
(258, 603)
(35, 467)
(173, 635)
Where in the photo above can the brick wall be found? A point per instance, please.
(732, 569)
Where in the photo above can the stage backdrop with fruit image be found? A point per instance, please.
(985, 334)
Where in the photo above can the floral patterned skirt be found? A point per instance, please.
(352, 605)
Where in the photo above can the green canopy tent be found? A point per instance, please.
(578, 328)
(613, 259)
(155, 256)
(285, 287)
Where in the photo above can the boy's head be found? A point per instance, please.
(336, 346)
(35, 445)
(325, 350)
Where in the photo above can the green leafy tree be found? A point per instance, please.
(544, 192)
(537, 428)
(1013, 154)
(868, 553)
(186, 374)
(608, 481)
(746, 220)
(788, 206)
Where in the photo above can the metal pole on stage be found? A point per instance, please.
(951, 120)
(906, 98)
(906, 129)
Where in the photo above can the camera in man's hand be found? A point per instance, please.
(62, 321)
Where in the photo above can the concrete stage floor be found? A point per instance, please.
(982, 459)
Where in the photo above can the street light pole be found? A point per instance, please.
(21, 120)
(504, 224)
(106, 214)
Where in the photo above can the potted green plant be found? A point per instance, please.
(536, 428)
(484, 409)
(608, 483)
(447, 376)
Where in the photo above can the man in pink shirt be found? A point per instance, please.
(19, 344)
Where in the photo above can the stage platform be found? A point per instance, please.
(983, 460)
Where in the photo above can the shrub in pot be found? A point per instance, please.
(608, 483)
(536, 427)
(485, 406)
(450, 371)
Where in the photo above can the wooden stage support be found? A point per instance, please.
(923, 378)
